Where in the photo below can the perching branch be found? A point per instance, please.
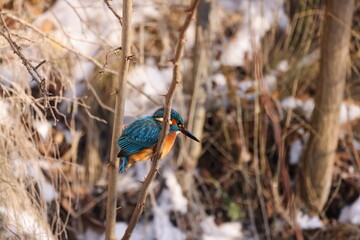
(118, 119)
(165, 129)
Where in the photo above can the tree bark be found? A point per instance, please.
(316, 169)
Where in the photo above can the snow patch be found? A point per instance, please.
(126, 183)
(283, 66)
(163, 227)
(291, 103)
(4, 112)
(295, 151)
(151, 80)
(351, 214)
(141, 231)
(49, 192)
(225, 231)
(178, 200)
(349, 112)
(259, 16)
(43, 128)
(307, 222)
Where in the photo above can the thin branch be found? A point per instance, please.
(113, 11)
(118, 120)
(32, 70)
(165, 129)
(74, 51)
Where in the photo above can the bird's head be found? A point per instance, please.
(176, 122)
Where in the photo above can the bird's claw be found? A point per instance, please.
(111, 164)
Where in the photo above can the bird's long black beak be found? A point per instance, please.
(189, 134)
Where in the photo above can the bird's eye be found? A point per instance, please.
(180, 125)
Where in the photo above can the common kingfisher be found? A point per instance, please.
(138, 141)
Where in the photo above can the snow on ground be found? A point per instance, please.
(142, 231)
(225, 231)
(43, 128)
(22, 223)
(151, 80)
(295, 151)
(127, 183)
(349, 111)
(246, 88)
(307, 222)
(351, 214)
(4, 112)
(163, 227)
(178, 201)
(258, 18)
(48, 191)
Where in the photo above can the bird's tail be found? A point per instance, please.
(123, 163)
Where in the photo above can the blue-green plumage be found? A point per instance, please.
(144, 133)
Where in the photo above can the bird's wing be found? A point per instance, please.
(141, 134)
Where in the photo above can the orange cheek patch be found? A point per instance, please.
(173, 122)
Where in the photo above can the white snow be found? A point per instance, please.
(349, 111)
(22, 223)
(4, 112)
(163, 227)
(127, 183)
(307, 222)
(351, 214)
(150, 79)
(283, 66)
(178, 201)
(258, 17)
(291, 103)
(246, 88)
(308, 107)
(141, 232)
(43, 128)
(226, 231)
(49, 192)
(295, 151)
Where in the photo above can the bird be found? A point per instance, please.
(138, 141)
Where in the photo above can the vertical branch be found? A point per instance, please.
(118, 119)
(316, 167)
(176, 79)
(201, 71)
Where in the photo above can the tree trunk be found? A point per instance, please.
(315, 174)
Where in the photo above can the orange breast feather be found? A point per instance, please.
(168, 143)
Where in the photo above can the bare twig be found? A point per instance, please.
(32, 70)
(118, 120)
(74, 51)
(113, 11)
(165, 129)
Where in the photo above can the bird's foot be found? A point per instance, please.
(111, 164)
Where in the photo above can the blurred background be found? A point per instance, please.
(249, 76)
